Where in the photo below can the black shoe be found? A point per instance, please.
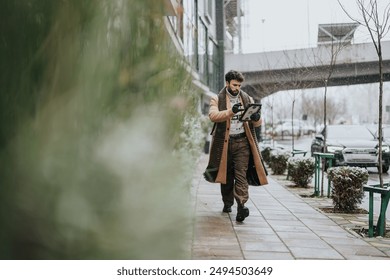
(227, 209)
(242, 213)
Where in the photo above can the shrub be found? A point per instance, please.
(347, 190)
(266, 154)
(301, 170)
(278, 162)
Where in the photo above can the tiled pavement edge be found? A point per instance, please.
(282, 226)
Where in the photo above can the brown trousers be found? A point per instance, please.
(236, 186)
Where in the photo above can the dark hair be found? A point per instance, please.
(234, 75)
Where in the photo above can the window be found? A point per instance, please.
(209, 10)
(190, 33)
(213, 65)
(202, 52)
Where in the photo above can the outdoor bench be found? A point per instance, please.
(318, 159)
(385, 196)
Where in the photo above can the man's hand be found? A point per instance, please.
(255, 117)
(236, 108)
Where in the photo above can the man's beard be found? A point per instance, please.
(233, 92)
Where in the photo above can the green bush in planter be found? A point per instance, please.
(266, 154)
(278, 162)
(301, 170)
(347, 190)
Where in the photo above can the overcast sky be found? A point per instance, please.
(289, 24)
(292, 24)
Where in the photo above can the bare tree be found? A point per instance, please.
(378, 26)
(335, 110)
(292, 79)
(270, 104)
(295, 78)
(313, 107)
(327, 56)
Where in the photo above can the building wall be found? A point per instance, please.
(194, 29)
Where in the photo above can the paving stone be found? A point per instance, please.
(282, 225)
(310, 253)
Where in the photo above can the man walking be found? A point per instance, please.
(234, 155)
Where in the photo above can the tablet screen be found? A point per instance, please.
(251, 109)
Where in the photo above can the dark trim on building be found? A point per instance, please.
(220, 25)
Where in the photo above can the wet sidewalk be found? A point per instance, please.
(281, 226)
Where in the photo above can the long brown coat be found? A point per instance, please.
(217, 168)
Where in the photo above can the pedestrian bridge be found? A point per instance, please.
(269, 72)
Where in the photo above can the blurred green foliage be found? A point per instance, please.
(97, 132)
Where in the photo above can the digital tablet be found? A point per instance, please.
(251, 109)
